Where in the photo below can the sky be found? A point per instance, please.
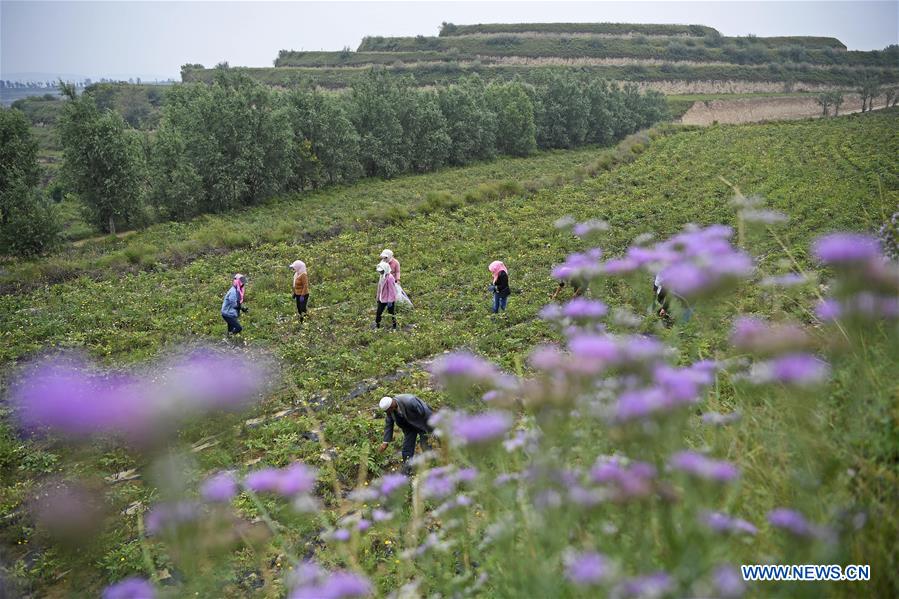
(121, 39)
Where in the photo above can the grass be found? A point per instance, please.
(169, 244)
(826, 174)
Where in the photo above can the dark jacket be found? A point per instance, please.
(502, 284)
(411, 413)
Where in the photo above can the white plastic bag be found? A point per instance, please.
(401, 296)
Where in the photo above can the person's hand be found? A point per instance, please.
(382, 448)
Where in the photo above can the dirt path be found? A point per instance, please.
(754, 110)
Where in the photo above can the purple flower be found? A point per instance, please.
(587, 568)
(728, 582)
(390, 483)
(363, 525)
(379, 515)
(792, 369)
(168, 517)
(638, 404)
(264, 480)
(130, 588)
(722, 523)
(703, 467)
(584, 309)
(480, 428)
(627, 481)
(683, 384)
(791, 521)
(442, 482)
(295, 479)
(338, 585)
(463, 367)
(846, 248)
(212, 380)
(63, 394)
(580, 266)
(617, 266)
(828, 309)
(219, 488)
(292, 480)
(649, 585)
(590, 353)
(341, 534)
(756, 335)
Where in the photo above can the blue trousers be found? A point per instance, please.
(233, 324)
(499, 302)
(409, 436)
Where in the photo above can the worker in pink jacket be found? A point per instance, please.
(387, 256)
(386, 294)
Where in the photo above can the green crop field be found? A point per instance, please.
(830, 174)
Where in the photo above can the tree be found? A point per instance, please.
(868, 89)
(836, 98)
(326, 146)
(823, 100)
(102, 162)
(424, 131)
(375, 112)
(516, 131)
(28, 221)
(470, 124)
(561, 112)
(890, 94)
(234, 135)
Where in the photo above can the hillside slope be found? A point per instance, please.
(826, 174)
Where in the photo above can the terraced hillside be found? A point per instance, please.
(670, 58)
(826, 174)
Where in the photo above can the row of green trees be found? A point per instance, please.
(28, 223)
(235, 142)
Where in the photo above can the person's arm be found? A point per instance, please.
(396, 275)
(388, 431)
(230, 301)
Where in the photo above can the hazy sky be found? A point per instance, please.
(153, 39)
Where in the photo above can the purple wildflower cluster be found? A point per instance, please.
(763, 338)
(587, 569)
(168, 517)
(722, 523)
(796, 524)
(461, 369)
(290, 481)
(695, 262)
(703, 467)
(67, 395)
(476, 429)
(439, 483)
(624, 480)
(310, 581)
(867, 282)
(130, 588)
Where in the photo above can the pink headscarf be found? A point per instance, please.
(239, 283)
(497, 267)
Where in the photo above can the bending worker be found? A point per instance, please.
(412, 415)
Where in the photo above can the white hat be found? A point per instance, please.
(387, 254)
(385, 403)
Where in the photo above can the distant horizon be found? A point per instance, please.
(78, 40)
